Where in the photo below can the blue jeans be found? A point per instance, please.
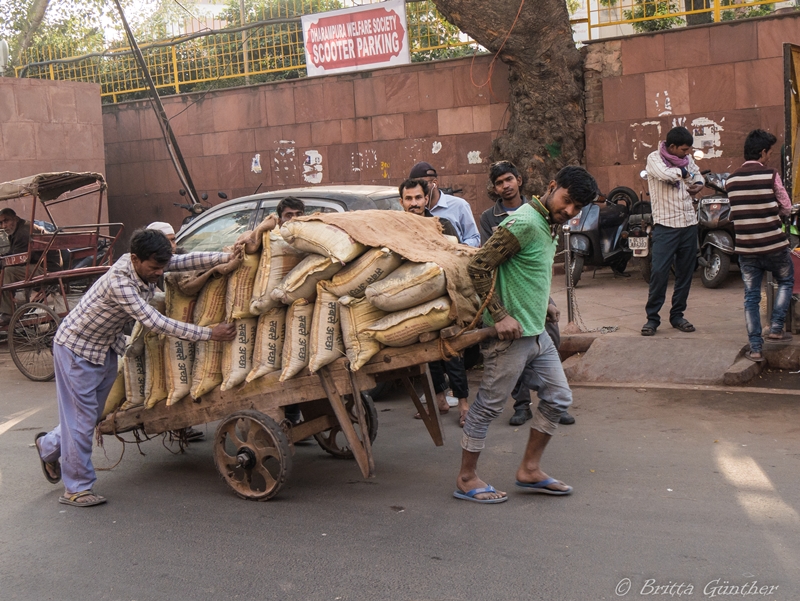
(753, 268)
(82, 388)
(535, 360)
(676, 245)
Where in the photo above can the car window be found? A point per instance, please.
(221, 231)
(268, 207)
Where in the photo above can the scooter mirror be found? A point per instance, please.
(643, 174)
(698, 154)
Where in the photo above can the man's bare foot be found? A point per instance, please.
(537, 476)
(441, 401)
(466, 485)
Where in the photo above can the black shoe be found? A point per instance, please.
(193, 435)
(521, 416)
(566, 419)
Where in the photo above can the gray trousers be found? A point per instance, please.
(81, 388)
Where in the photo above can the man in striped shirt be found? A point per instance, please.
(84, 351)
(758, 199)
(672, 177)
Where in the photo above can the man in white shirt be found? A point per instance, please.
(456, 210)
(673, 178)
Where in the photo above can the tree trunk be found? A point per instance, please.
(25, 37)
(546, 116)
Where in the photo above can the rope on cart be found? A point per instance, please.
(137, 435)
(446, 350)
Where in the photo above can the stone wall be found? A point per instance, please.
(51, 126)
(361, 128)
(720, 81)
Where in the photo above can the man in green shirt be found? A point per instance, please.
(519, 258)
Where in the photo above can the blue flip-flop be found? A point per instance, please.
(541, 487)
(470, 495)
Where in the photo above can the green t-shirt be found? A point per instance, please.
(523, 282)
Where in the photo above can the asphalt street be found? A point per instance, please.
(690, 490)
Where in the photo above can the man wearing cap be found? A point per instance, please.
(454, 209)
(166, 229)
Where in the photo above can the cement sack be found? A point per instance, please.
(301, 282)
(237, 355)
(116, 395)
(356, 315)
(155, 388)
(270, 335)
(409, 285)
(404, 327)
(372, 266)
(207, 368)
(240, 288)
(133, 368)
(179, 306)
(277, 259)
(210, 306)
(179, 360)
(298, 333)
(322, 239)
(326, 331)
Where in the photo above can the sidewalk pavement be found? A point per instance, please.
(710, 355)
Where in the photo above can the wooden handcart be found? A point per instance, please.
(254, 444)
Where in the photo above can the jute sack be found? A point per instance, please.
(178, 360)
(270, 335)
(409, 285)
(207, 368)
(180, 306)
(326, 341)
(237, 355)
(404, 327)
(372, 266)
(116, 395)
(133, 368)
(357, 314)
(322, 239)
(298, 332)
(210, 306)
(277, 259)
(301, 282)
(240, 288)
(155, 387)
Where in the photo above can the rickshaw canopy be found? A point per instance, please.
(49, 186)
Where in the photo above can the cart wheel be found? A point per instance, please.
(30, 340)
(334, 441)
(252, 455)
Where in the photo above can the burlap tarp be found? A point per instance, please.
(417, 239)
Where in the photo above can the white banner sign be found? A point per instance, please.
(354, 39)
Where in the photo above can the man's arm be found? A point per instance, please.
(784, 202)
(694, 171)
(469, 230)
(500, 247)
(197, 260)
(657, 168)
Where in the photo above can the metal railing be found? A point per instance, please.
(658, 15)
(204, 59)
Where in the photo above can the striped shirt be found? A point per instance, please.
(96, 323)
(670, 200)
(755, 210)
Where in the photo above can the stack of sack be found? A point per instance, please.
(301, 297)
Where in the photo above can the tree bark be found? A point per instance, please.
(25, 37)
(546, 115)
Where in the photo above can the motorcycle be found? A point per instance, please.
(640, 232)
(597, 233)
(196, 209)
(715, 232)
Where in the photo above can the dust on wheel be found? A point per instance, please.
(252, 455)
(334, 441)
(30, 340)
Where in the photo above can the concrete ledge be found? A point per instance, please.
(742, 371)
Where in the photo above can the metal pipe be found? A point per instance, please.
(568, 275)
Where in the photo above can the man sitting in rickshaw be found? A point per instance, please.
(19, 237)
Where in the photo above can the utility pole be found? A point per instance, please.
(169, 137)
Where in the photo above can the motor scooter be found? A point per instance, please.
(596, 233)
(715, 232)
(639, 235)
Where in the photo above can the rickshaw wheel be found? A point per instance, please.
(30, 340)
(252, 455)
(334, 442)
